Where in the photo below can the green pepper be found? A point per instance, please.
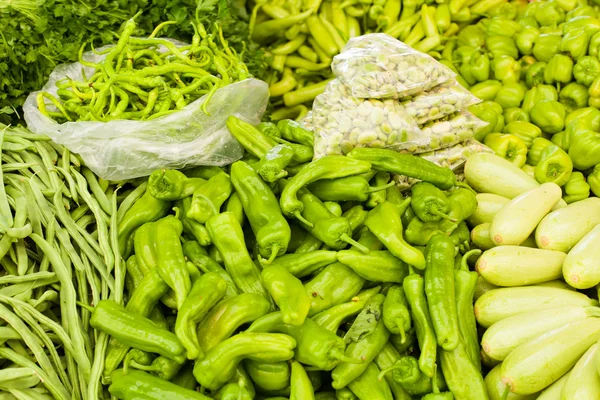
(334, 284)
(439, 288)
(574, 96)
(508, 146)
(198, 255)
(365, 348)
(139, 385)
(559, 70)
(272, 165)
(594, 46)
(462, 376)
(191, 227)
(462, 204)
(525, 131)
(575, 42)
(546, 46)
(205, 293)
(480, 66)
(380, 266)
(414, 289)
(332, 318)
(170, 260)
(429, 203)
(208, 199)
(162, 367)
(499, 26)
(304, 264)
(136, 331)
(471, 35)
(554, 166)
(534, 155)
(586, 70)
(486, 113)
(511, 94)
(269, 376)
(590, 23)
(270, 228)
(535, 74)
(529, 21)
(251, 138)
(576, 188)
(526, 39)
(300, 385)
(185, 377)
(587, 118)
(396, 315)
(218, 366)
(288, 293)
(580, 11)
(295, 132)
(316, 346)
(506, 69)
(549, 13)
(369, 387)
(486, 90)
(594, 102)
(382, 179)
(172, 185)
(593, 179)
(386, 359)
(418, 232)
(352, 188)
(329, 167)
(585, 149)
(357, 215)
(499, 46)
(548, 115)
(385, 223)
(228, 238)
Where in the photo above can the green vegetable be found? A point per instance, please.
(548, 115)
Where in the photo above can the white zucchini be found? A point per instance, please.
(581, 268)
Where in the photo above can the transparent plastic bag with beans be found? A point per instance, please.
(378, 66)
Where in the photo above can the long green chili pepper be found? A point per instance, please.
(465, 282)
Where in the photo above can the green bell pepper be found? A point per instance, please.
(486, 90)
(576, 188)
(575, 42)
(585, 149)
(594, 89)
(528, 22)
(515, 114)
(591, 24)
(549, 13)
(583, 10)
(471, 35)
(506, 69)
(574, 96)
(584, 119)
(559, 70)
(525, 131)
(535, 74)
(546, 46)
(538, 93)
(500, 26)
(506, 10)
(526, 39)
(593, 180)
(508, 147)
(530, 9)
(567, 5)
(487, 113)
(594, 45)
(548, 115)
(586, 70)
(502, 46)
(480, 66)
(554, 166)
(594, 102)
(534, 155)
(510, 95)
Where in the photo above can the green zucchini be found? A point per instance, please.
(580, 268)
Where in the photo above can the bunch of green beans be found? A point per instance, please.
(139, 80)
(57, 239)
(302, 37)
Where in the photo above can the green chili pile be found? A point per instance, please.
(146, 78)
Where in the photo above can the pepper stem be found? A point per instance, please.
(141, 367)
(388, 370)
(463, 264)
(380, 188)
(506, 393)
(300, 218)
(338, 355)
(274, 252)
(436, 390)
(346, 238)
(437, 212)
(464, 185)
(89, 308)
(401, 329)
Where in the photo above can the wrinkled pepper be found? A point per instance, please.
(288, 293)
(508, 146)
(576, 188)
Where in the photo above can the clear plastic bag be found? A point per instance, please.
(442, 133)
(307, 121)
(439, 102)
(453, 157)
(125, 149)
(378, 66)
(342, 122)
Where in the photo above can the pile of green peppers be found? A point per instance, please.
(536, 67)
(278, 277)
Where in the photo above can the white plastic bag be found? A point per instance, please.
(378, 66)
(125, 149)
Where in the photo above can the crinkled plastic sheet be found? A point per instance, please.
(378, 66)
(438, 102)
(453, 157)
(125, 149)
(342, 122)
